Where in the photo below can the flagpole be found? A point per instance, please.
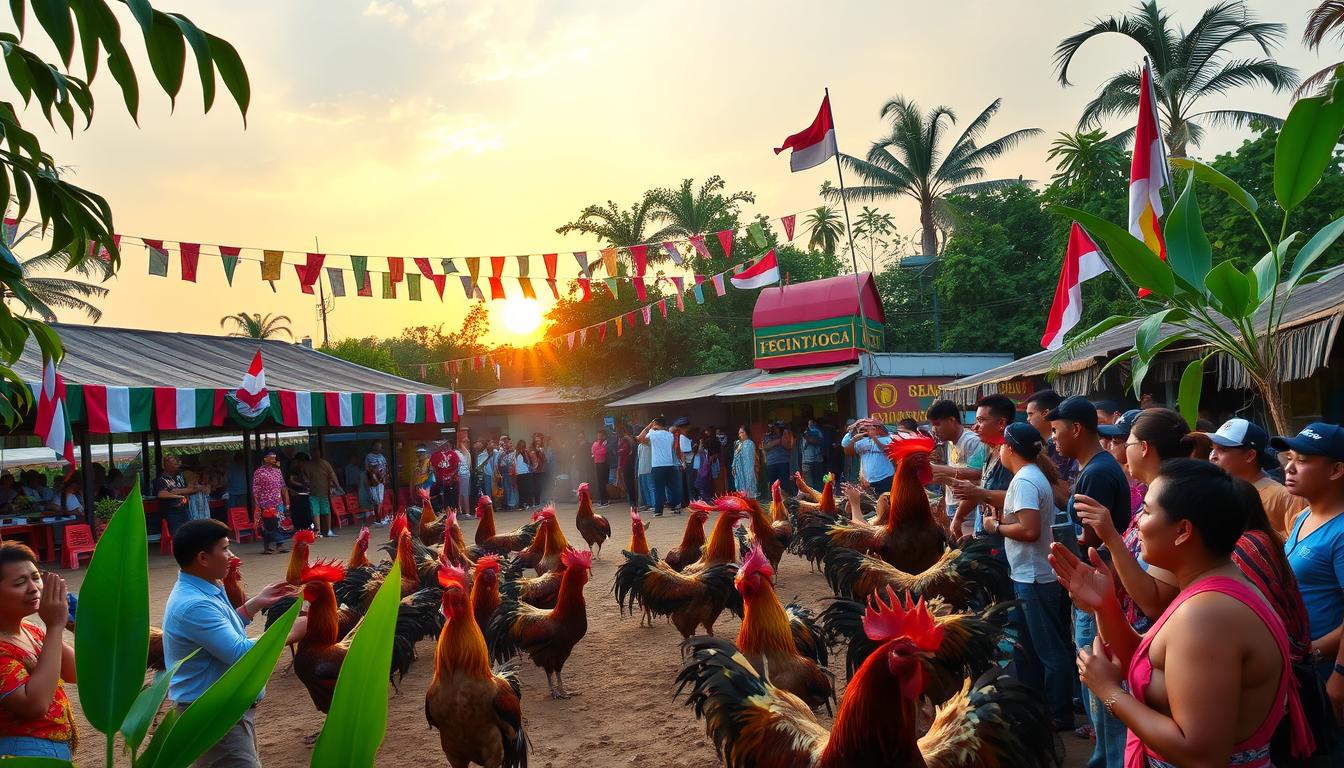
(1161, 139)
(849, 232)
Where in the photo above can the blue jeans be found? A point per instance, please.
(31, 746)
(1323, 671)
(666, 487)
(510, 491)
(1045, 655)
(1109, 751)
(646, 489)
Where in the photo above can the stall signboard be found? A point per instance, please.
(893, 399)
(1018, 390)
(819, 342)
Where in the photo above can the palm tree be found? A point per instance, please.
(257, 326)
(617, 227)
(910, 163)
(1187, 67)
(1085, 157)
(1324, 20)
(826, 227)
(706, 210)
(51, 293)
(874, 226)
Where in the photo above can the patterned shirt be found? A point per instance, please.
(266, 485)
(16, 664)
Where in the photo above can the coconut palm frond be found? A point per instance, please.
(1324, 20)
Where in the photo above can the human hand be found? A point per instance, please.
(297, 631)
(53, 607)
(1090, 586)
(274, 594)
(852, 492)
(1095, 516)
(1098, 670)
(992, 521)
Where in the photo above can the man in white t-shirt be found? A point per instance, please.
(965, 458)
(664, 461)
(1044, 655)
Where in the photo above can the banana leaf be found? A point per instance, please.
(147, 704)
(358, 719)
(37, 762)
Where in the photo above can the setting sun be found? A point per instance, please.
(518, 317)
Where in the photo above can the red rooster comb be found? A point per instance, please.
(487, 564)
(329, 571)
(583, 489)
(398, 527)
(235, 565)
(452, 576)
(363, 539)
(776, 494)
(546, 512)
(304, 537)
(482, 504)
(422, 493)
(891, 620)
(754, 563)
(573, 558)
(905, 444)
(731, 503)
(635, 519)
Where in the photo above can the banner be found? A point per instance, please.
(336, 279)
(191, 255)
(270, 266)
(229, 256)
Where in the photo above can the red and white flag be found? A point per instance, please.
(252, 396)
(1082, 262)
(815, 144)
(762, 273)
(1148, 171)
(53, 423)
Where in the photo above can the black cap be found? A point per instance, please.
(1024, 439)
(682, 421)
(1315, 439)
(660, 421)
(1122, 425)
(1078, 409)
(1107, 406)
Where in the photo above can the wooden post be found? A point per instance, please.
(144, 463)
(247, 469)
(86, 477)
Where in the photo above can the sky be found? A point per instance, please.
(434, 128)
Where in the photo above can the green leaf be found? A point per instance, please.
(147, 704)
(225, 702)
(112, 634)
(1317, 245)
(1150, 330)
(1192, 384)
(167, 54)
(1266, 276)
(1231, 290)
(1188, 249)
(1131, 255)
(1215, 178)
(161, 733)
(204, 62)
(37, 762)
(232, 72)
(143, 13)
(54, 16)
(1306, 144)
(358, 720)
(88, 37)
(17, 9)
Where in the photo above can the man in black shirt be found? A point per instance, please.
(172, 492)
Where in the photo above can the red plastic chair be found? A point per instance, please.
(165, 539)
(340, 511)
(241, 524)
(403, 498)
(78, 540)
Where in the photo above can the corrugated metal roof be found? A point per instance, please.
(935, 363)
(817, 300)
(686, 388)
(784, 384)
(514, 397)
(125, 357)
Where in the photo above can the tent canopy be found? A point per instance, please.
(515, 397)
(818, 300)
(786, 384)
(685, 388)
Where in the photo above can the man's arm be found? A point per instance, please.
(166, 493)
(205, 625)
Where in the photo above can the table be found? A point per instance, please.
(46, 547)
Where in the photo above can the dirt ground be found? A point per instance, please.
(626, 714)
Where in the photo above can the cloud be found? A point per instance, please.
(390, 10)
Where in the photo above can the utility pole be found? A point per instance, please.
(322, 307)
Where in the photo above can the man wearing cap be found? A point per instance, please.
(993, 414)
(1044, 653)
(1240, 447)
(1113, 439)
(1038, 408)
(868, 439)
(1315, 548)
(965, 458)
(1107, 412)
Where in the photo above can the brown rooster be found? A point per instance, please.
(476, 710)
(359, 553)
(454, 551)
(692, 544)
(431, 526)
(484, 589)
(593, 527)
(500, 544)
(963, 578)
(995, 722)
(639, 543)
(780, 521)
(547, 636)
(766, 638)
(722, 545)
(555, 545)
(531, 555)
(298, 556)
(763, 532)
(233, 584)
(541, 591)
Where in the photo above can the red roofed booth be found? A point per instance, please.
(817, 322)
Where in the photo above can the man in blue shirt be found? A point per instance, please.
(198, 617)
(868, 439)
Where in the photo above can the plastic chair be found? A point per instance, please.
(78, 540)
(340, 511)
(165, 539)
(241, 524)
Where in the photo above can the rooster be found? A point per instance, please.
(484, 589)
(593, 527)
(476, 710)
(969, 643)
(692, 544)
(805, 491)
(780, 520)
(431, 526)
(359, 553)
(553, 541)
(767, 636)
(693, 598)
(531, 555)
(763, 532)
(547, 636)
(995, 722)
(540, 591)
(963, 578)
(298, 556)
(722, 545)
(500, 544)
(233, 584)
(639, 543)
(454, 551)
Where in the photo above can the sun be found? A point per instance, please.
(521, 317)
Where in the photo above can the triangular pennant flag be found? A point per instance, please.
(496, 289)
(757, 233)
(550, 261)
(524, 263)
(662, 308)
(640, 254)
(647, 311)
(584, 268)
(569, 339)
(585, 288)
(440, 282)
(474, 268)
(158, 257)
(313, 272)
(304, 285)
(726, 242)
(467, 285)
(609, 261)
(396, 269)
(788, 222)
(413, 287)
(228, 254)
(449, 268)
(526, 284)
(639, 288)
(555, 289)
(611, 286)
(672, 252)
(602, 331)
(336, 278)
(389, 287)
(191, 256)
(363, 284)
(583, 336)
(620, 322)
(424, 266)
(699, 242)
(679, 283)
(630, 318)
(270, 266)
(719, 287)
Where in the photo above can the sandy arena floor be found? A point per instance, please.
(626, 714)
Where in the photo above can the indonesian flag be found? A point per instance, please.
(815, 144)
(188, 407)
(53, 423)
(296, 408)
(252, 396)
(117, 410)
(762, 273)
(1082, 262)
(340, 409)
(1148, 172)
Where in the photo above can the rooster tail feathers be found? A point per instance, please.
(808, 636)
(997, 715)
(842, 624)
(499, 636)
